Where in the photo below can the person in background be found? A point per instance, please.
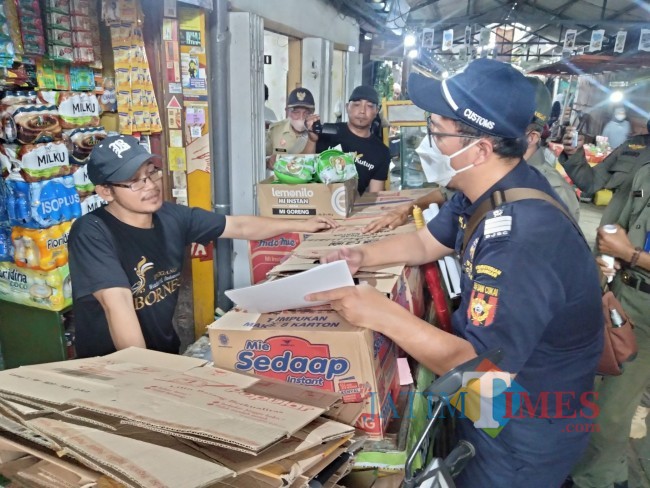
(556, 110)
(373, 157)
(618, 129)
(397, 91)
(605, 462)
(289, 136)
(544, 160)
(615, 172)
(529, 284)
(536, 156)
(126, 258)
(269, 114)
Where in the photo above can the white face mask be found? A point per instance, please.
(437, 166)
(298, 125)
(619, 116)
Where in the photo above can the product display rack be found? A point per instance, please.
(407, 128)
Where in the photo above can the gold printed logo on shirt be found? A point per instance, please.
(141, 268)
(636, 147)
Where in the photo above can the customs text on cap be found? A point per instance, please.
(301, 97)
(488, 95)
(116, 159)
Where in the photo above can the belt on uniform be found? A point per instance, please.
(638, 283)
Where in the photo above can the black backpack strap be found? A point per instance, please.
(500, 197)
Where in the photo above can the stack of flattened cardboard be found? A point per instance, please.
(144, 418)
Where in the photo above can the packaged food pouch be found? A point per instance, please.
(80, 142)
(294, 169)
(335, 166)
(75, 109)
(34, 123)
(82, 183)
(43, 161)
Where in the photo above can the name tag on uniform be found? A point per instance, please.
(280, 149)
(637, 193)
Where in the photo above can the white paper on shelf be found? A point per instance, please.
(453, 269)
(289, 293)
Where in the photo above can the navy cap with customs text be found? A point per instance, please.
(488, 95)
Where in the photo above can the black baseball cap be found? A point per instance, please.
(117, 158)
(488, 95)
(364, 92)
(301, 97)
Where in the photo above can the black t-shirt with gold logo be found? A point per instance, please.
(106, 253)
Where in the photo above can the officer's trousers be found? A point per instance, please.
(605, 460)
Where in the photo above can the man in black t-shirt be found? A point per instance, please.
(126, 258)
(373, 157)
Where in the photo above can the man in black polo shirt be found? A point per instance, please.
(373, 157)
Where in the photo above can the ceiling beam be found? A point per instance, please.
(491, 18)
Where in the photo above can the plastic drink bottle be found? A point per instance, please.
(609, 260)
(4, 247)
(11, 206)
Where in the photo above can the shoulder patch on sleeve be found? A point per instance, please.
(483, 305)
(498, 223)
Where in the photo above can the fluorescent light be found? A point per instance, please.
(413, 53)
(409, 40)
(445, 75)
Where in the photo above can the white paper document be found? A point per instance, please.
(289, 293)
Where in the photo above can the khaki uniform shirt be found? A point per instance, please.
(557, 181)
(282, 139)
(635, 218)
(614, 173)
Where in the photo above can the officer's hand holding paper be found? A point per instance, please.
(289, 293)
(361, 305)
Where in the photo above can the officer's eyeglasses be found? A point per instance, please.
(139, 184)
(437, 135)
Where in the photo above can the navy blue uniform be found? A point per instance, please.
(529, 286)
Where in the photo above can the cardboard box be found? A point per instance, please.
(403, 284)
(306, 200)
(265, 254)
(314, 348)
